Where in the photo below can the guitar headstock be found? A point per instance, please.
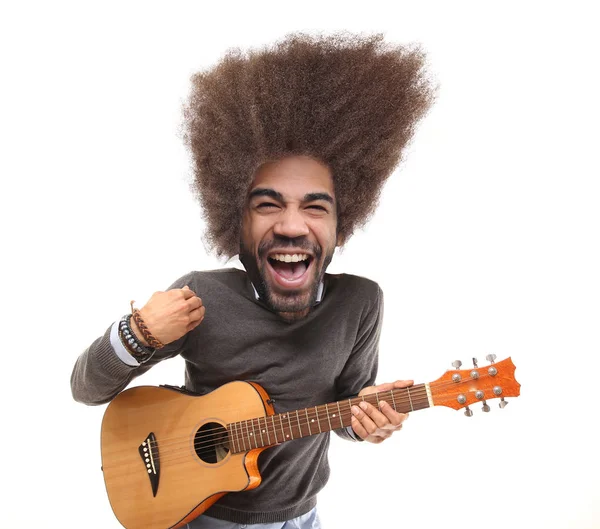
(461, 388)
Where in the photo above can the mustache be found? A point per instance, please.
(282, 242)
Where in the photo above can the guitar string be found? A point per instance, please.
(206, 435)
(416, 391)
(240, 442)
(182, 452)
(170, 441)
(244, 440)
(321, 410)
(267, 429)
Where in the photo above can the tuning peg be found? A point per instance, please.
(490, 358)
(502, 403)
(485, 407)
(468, 412)
(475, 362)
(456, 364)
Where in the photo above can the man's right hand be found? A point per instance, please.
(171, 314)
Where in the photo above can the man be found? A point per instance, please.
(291, 145)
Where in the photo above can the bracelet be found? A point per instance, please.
(154, 342)
(129, 340)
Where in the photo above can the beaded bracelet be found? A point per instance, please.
(129, 340)
(148, 336)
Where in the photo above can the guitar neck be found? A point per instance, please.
(275, 429)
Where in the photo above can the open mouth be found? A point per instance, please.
(290, 270)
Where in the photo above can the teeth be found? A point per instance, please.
(287, 258)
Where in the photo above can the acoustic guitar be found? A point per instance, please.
(168, 455)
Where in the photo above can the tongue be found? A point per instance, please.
(289, 270)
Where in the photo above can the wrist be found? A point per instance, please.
(143, 330)
(139, 336)
(129, 340)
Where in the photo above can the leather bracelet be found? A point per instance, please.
(130, 342)
(148, 336)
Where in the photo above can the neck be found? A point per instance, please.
(276, 429)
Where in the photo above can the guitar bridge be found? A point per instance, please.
(148, 451)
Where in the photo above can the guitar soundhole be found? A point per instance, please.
(211, 442)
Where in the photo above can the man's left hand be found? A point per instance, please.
(375, 425)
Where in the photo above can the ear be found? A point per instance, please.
(339, 241)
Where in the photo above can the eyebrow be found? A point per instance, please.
(265, 192)
(309, 197)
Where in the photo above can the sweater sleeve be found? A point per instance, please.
(99, 374)
(360, 370)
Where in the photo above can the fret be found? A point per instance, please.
(232, 437)
(318, 420)
(256, 437)
(291, 429)
(252, 434)
(248, 434)
(328, 418)
(299, 427)
(307, 421)
(378, 403)
(267, 430)
(274, 429)
(262, 443)
(282, 430)
(409, 399)
(242, 436)
(236, 436)
(393, 399)
(340, 415)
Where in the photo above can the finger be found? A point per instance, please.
(196, 318)
(194, 303)
(187, 292)
(377, 417)
(388, 386)
(358, 428)
(403, 383)
(197, 314)
(364, 419)
(396, 419)
(194, 324)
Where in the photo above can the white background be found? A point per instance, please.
(486, 240)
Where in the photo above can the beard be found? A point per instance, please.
(291, 304)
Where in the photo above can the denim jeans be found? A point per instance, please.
(310, 520)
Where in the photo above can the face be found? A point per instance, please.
(289, 233)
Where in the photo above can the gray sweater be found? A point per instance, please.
(329, 355)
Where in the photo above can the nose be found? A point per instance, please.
(291, 223)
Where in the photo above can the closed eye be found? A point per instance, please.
(317, 208)
(266, 205)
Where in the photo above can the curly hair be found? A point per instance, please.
(349, 101)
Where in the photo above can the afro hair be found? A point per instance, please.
(349, 101)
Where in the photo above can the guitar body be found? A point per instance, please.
(165, 456)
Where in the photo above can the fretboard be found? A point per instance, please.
(275, 429)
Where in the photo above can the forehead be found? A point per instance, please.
(294, 177)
